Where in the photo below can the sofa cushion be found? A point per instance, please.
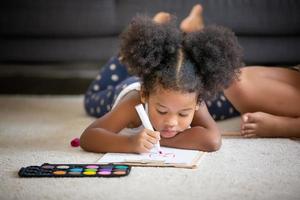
(79, 18)
(57, 18)
(78, 30)
(261, 17)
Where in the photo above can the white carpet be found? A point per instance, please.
(34, 130)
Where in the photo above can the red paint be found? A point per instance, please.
(75, 142)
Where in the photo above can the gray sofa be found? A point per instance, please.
(79, 30)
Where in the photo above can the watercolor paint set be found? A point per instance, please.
(75, 170)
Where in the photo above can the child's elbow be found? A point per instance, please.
(213, 143)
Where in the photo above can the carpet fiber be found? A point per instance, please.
(34, 130)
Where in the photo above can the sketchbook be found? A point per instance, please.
(170, 157)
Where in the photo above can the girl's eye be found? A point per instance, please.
(161, 112)
(183, 115)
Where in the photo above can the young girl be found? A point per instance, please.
(175, 73)
(268, 97)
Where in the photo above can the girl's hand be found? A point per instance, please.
(144, 141)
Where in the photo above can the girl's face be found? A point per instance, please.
(170, 111)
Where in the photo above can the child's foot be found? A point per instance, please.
(193, 22)
(260, 124)
(162, 18)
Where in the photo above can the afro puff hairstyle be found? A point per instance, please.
(204, 62)
(216, 54)
(147, 45)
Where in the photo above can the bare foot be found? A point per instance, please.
(260, 124)
(162, 18)
(193, 22)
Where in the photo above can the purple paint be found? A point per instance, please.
(92, 167)
(104, 172)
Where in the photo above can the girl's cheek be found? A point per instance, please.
(186, 123)
(156, 121)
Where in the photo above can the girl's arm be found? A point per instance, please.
(101, 135)
(204, 134)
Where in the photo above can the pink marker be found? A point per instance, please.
(146, 123)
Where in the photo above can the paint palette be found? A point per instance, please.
(75, 170)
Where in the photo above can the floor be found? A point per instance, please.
(38, 129)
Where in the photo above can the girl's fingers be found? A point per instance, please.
(152, 140)
(153, 134)
(148, 145)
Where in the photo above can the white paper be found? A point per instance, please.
(169, 156)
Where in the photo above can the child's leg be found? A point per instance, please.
(99, 96)
(269, 98)
(220, 108)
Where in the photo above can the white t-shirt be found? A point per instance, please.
(125, 91)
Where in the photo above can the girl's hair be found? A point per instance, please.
(204, 62)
